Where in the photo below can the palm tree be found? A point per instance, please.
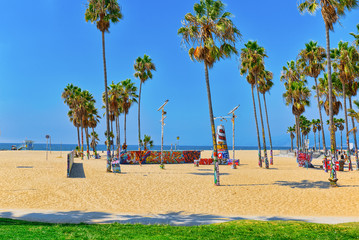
(77, 104)
(94, 119)
(115, 109)
(102, 12)
(291, 130)
(340, 125)
(128, 97)
(94, 142)
(297, 94)
(146, 141)
(311, 60)
(143, 67)
(331, 11)
(352, 92)
(264, 85)
(356, 36)
(66, 94)
(304, 125)
(354, 114)
(314, 128)
(345, 62)
(212, 36)
(252, 65)
(323, 88)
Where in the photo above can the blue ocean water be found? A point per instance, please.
(101, 147)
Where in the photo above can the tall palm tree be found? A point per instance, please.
(314, 129)
(94, 119)
(77, 104)
(143, 67)
(352, 92)
(94, 142)
(264, 85)
(212, 35)
(297, 94)
(311, 60)
(291, 130)
(66, 94)
(128, 97)
(102, 12)
(340, 126)
(323, 88)
(115, 109)
(331, 10)
(354, 114)
(304, 125)
(356, 37)
(252, 64)
(345, 62)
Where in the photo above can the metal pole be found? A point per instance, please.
(50, 144)
(46, 147)
(233, 162)
(162, 139)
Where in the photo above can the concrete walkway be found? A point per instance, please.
(173, 218)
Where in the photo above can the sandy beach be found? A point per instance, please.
(29, 181)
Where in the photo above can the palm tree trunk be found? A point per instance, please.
(320, 117)
(78, 136)
(355, 135)
(270, 136)
(139, 119)
(82, 142)
(302, 141)
(94, 146)
(118, 136)
(113, 148)
(291, 144)
(216, 167)
(297, 130)
(87, 142)
(263, 133)
(346, 127)
(333, 173)
(315, 142)
(319, 141)
(258, 138)
(125, 129)
(106, 98)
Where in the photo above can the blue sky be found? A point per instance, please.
(46, 44)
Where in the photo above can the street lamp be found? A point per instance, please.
(162, 124)
(47, 139)
(233, 118)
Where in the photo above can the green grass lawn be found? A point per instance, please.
(14, 229)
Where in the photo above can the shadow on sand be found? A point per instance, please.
(77, 171)
(171, 218)
(304, 184)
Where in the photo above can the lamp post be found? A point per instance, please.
(47, 143)
(162, 124)
(233, 118)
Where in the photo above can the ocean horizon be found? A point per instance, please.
(102, 147)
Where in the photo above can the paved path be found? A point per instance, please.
(174, 218)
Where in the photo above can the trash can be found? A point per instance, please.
(341, 165)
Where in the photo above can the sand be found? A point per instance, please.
(29, 181)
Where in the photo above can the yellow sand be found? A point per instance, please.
(282, 190)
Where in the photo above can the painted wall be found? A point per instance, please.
(132, 157)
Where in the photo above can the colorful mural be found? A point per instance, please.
(148, 157)
(222, 148)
